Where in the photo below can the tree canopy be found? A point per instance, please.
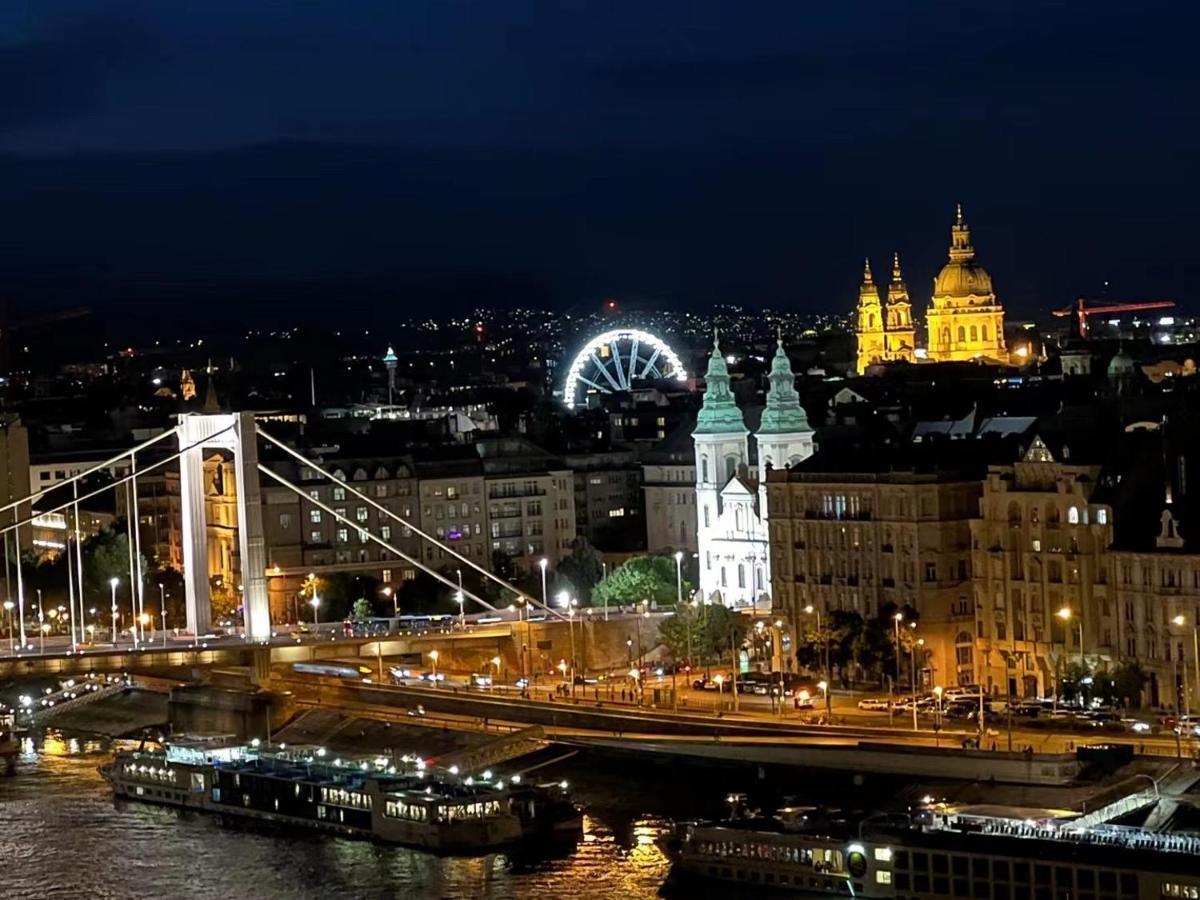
(707, 631)
(640, 578)
(580, 571)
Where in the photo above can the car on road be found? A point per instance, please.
(705, 683)
(874, 704)
(964, 691)
(1184, 725)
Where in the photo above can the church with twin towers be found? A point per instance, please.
(964, 320)
(731, 499)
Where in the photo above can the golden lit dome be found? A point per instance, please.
(962, 278)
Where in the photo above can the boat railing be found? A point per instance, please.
(1124, 836)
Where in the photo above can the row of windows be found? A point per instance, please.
(950, 874)
(827, 859)
(153, 773)
(343, 797)
(398, 809)
(475, 810)
(360, 474)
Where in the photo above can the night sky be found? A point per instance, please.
(280, 157)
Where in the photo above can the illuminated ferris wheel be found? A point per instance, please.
(611, 362)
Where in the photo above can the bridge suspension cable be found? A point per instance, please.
(380, 541)
(407, 524)
(75, 479)
(73, 503)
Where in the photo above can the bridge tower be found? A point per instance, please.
(234, 432)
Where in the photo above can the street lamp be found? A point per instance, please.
(43, 631)
(8, 606)
(433, 656)
(542, 563)
(1065, 614)
(1179, 621)
(678, 577)
(389, 594)
(315, 603)
(810, 609)
(912, 654)
(896, 620)
(462, 600)
(496, 664)
(112, 583)
(162, 610)
(720, 680)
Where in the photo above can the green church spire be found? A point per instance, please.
(783, 413)
(719, 414)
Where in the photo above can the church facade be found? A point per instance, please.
(964, 321)
(732, 515)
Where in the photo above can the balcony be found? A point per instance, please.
(507, 492)
(507, 512)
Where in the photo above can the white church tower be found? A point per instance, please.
(731, 562)
(784, 436)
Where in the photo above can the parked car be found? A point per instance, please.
(874, 704)
(959, 691)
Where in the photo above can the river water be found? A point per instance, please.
(62, 835)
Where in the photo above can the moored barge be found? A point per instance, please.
(991, 853)
(395, 801)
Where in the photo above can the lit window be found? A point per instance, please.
(314, 516)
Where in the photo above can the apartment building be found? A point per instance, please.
(844, 537)
(1041, 572)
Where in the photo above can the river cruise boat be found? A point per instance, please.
(402, 802)
(991, 853)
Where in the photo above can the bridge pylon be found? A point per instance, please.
(236, 433)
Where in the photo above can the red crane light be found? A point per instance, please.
(1082, 308)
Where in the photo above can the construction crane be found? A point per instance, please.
(1082, 308)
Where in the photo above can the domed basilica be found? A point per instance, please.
(964, 321)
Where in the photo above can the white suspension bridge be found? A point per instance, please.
(239, 434)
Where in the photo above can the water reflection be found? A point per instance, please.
(60, 818)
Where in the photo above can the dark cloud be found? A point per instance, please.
(62, 75)
(684, 151)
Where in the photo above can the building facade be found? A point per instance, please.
(301, 536)
(609, 504)
(1041, 572)
(670, 498)
(857, 541)
(1158, 601)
